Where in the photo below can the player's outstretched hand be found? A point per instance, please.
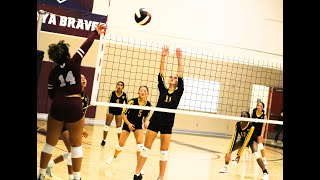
(101, 28)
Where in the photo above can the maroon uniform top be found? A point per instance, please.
(65, 79)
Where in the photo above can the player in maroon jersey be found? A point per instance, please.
(65, 137)
(64, 88)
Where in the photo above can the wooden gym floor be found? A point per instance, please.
(190, 157)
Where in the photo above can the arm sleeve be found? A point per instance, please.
(81, 52)
(233, 139)
(180, 85)
(125, 110)
(161, 85)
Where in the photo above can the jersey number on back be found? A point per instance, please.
(70, 78)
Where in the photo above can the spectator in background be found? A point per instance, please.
(278, 128)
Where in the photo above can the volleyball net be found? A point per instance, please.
(215, 84)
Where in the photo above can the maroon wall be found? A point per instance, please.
(44, 102)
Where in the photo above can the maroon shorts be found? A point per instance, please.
(67, 109)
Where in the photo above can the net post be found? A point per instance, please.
(39, 24)
(97, 72)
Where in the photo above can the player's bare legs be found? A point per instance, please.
(164, 147)
(262, 150)
(109, 118)
(54, 128)
(138, 134)
(150, 137)
(122, 141)
(65, 138)
(118, 119)
(75, 136)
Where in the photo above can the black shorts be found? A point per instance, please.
(136, 125)
(258, 128)
(67, 109)
(156, 126)
(115, 111)
(161, 121)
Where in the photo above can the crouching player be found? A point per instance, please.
(247, 138)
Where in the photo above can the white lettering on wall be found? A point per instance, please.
(71, 22)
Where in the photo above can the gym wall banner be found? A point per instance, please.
(70, 20)
(80, 5)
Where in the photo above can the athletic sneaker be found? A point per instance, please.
(103, 142)
(109, 160)
(48, 172)
(135, 177)
(265, 176)
(225, 169)
(41, 177)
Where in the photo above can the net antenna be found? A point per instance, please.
(40, 14)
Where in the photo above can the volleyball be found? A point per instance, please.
(142, 17)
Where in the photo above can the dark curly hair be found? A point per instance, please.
(59, 53)
(246, 113)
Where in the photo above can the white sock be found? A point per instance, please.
(51, 163)
(71, 177)
(42, 171)
(76, 175)
(138, 174)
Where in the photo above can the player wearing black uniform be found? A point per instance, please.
(64, 88)
(117, 96)
(65, 136)
(247, 138)
(258, 113)
(278, 129)
(133, 119)
(163, 121)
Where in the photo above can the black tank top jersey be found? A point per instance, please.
(85, 101)
(246, 134)
(136, 115)
(65, 79)
(166, 99)
(258, 125)
(114, 98)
